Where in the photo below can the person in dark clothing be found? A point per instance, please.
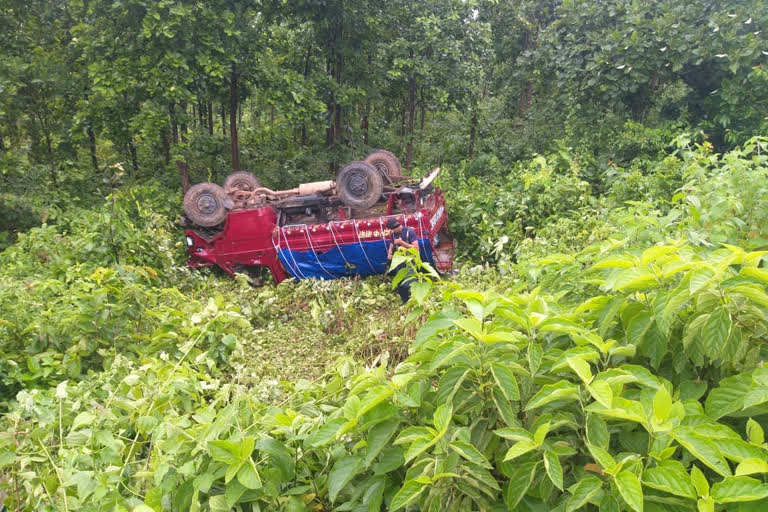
(401, 237)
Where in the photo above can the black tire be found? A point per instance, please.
(205, 203)
(359, 185)
(386, 162)
(241, 180)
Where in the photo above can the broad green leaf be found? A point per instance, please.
(506, 382)
(699, 482)
(561, 390)
(520, 448)
(541, 433)
(728, 397)
(662, 404)
(470, 453)
(390, 459)
(224, 451)
(233, 492)
(622, 409)
(706, 504)
(581, 368)
(520, 478)
(739, 488)
(632, 279)
(407, 494)
(442, 417)
(345, 469)
(597, 431)
(699, 279)
(630, 489)
(327, 432)
(751, 466)
(582, 491)
(83, 419)
(714, 334)
(420, 290)
(450, 383)
(653, 254)
(614, 262)
(602, 392)
(703, 449)
(602, 457)
(378, 437)
(638, 326)
(249, 476)
(535, 355)
(755, 432)
(671, 477)
(472, 326)
(554, 469)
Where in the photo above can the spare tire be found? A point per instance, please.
(359, 185)
(241, 180)
(386, 162)
(205, 204)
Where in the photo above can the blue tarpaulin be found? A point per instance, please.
(363, 259)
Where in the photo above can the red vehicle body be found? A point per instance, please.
(350, 245)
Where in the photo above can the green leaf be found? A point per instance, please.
(233, 492)
(581, 368)
(662, 404)
(671, 477)
(728, 397)
(630, 489)
(597, 431)
(345, 469)
(582, 491)
(83, 419)
(450, 383)
(520, 448)
(602, 457)
(472, 326)
(407, 494)
(520, 479)
(706, 505)
(420, 290)
(699, 481)
(602, 392)
(470, 453)
(554, 469)
(702, 449)
(561, 390)
(442, 417)
(638, 326)
(739, 488)
(714, 334)
(751, 466)
(327, 432)
(378, 437)
(248, 476)
(224, 451)
(506, 382)
(755, 432)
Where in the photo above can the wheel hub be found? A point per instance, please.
(358, 185)
(207, 204)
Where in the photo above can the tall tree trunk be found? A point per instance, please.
(210, 118)
(364, 125)
(174, 124)
(411, 115)
(223, 120)
(184, 127)
(92, 147)
(472, 134)
(200, 107)
(134, 157)
(233, 119)
(306, 74)
(166, 146)
(402, 118)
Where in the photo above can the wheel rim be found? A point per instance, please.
(207, 204)
(358, 185)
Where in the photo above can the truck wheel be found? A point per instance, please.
(204, 204)
(359, 185)
(240, 180)
(386, 162)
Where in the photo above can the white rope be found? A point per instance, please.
(359, 241)
(309, 239)
(288, 245)
(330, 228)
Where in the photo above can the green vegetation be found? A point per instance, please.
(601, 346)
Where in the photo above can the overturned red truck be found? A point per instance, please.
(326, 230)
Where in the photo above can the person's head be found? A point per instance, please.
(394, 225)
